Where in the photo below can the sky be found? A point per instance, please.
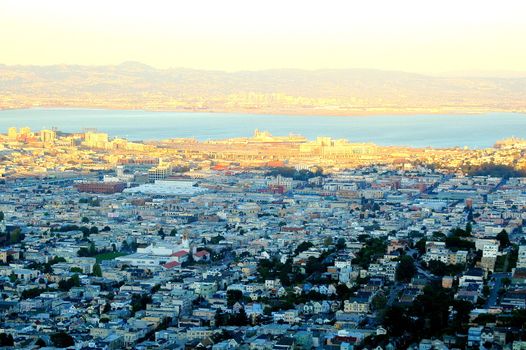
(423, 36)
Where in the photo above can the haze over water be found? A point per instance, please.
(474, 131)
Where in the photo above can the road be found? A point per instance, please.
(494, 290)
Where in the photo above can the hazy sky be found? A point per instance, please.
(410, 35)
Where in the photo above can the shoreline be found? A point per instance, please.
(279, 112)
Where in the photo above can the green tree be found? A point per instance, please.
(84, 220)
(97, 271)
(503, 238)
(62, 340)
(420, 245)
(233, 296)
(219, 318)
(303, 246)
(469, 228)
(379, 301)
(6, 340)
(15, 236)
(340, 244)
(406, 269)
(396, 321)
(66, 285)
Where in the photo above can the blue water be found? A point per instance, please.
(474, 131)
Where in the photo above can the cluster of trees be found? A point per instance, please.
(12, 237)
(496, 170)
(32, 293)
(66, 285)
(62, 340)
(233, 296)
(300, 175)
(139, 302)
(291, 275)
(6, 340)
(92, 202)
(86, 231)
(373, 248)
(47, 267)
(235, 319)
(273, 268)
(406, 269)
(303, 246)
(438, 268)
(161, 232)
(457, 239)
(216, 239)
(428, 316)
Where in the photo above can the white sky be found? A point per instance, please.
(410, 35)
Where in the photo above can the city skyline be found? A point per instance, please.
(262, 175)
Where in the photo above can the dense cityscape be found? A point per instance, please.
(260, 242)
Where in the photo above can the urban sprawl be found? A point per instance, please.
(262, 242)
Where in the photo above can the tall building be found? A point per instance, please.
(489, 256)
(25, 132)
(47, 136)
(160, 172)
(12, 134)
(96, 139)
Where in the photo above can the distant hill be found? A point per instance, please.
(133, 85)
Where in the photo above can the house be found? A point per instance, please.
(202, 255)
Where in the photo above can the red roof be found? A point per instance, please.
(202, 253)
(180, 253)
(171, 264)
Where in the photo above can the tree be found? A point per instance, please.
(469, 228)
(62, 340)
(420, 245)
(125, 246)
(97, 271)
(503, 239)
(406, 269)
(219, 318)
(139, 302)
(6, 340)
(303, 246)
(340, 244)
(40, 343)
(107, 308)
(233, 296)
(239, 319)
(66, 285)
(343, 291)
(379, 301)
(1, 216)
(16, 236)
(84, 220)
(396, 321)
